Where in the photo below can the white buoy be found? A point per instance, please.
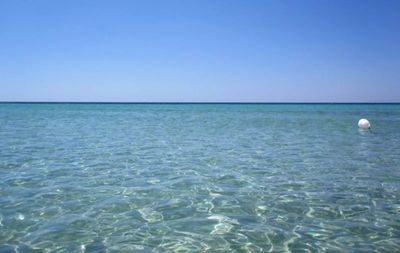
(364, 124)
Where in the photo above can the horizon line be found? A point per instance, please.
(185, 102)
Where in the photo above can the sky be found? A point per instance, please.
(200, 50)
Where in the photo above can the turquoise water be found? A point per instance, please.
(199, 178)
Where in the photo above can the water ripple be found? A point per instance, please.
(199, 178)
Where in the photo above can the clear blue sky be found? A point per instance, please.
(204, 50)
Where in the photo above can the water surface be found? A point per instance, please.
(199, 178)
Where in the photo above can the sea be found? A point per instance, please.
(182, 177)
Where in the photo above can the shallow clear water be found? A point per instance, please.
(199, 178)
